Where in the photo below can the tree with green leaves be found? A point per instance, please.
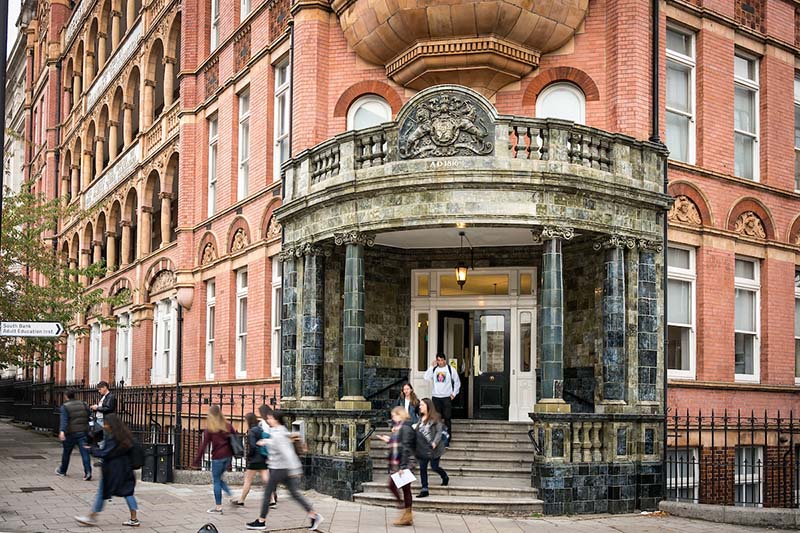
(36, 282)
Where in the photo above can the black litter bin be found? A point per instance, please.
(164, 463)
(149, 466)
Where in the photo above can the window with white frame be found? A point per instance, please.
(797, 134)
(745, 117)
(95, 347)
(213, 138)
(683, 475)
(244, 145)
(71, 349)
(562, 100)
(165, 340)
(241, 323)
(275, 317)
(797, 327)
(124, 348)
(282, 116)
(746, 328)
(748, 476)
(245, 10)
(368, 111)
(680, 95)
(214, 24)
(211, 316)
(681, 274)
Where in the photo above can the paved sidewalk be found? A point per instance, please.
(173, 508)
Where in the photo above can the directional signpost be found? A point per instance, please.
(30, 329)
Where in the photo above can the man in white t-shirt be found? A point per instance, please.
(446, 386)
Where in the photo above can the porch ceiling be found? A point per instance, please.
(448, 237)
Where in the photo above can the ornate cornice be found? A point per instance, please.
(354, 237)
(614, 241)
(546, 233)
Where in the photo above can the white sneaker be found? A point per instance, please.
(214, 510)
(86, 520)
(315, 522)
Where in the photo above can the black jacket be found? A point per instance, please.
(118, 478)
(108, 404)
(406, 441)
(426, 435)
(413, 410)
(253, 436)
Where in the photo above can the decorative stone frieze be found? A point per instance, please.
(112, 68)
(77, 19)
(163, 281)
(649, 245)
(446, 124)
(113, 176)
(354, 237)
(240, 240)
(750, 225)
(614, 241)
(684, 210)
(546, 233)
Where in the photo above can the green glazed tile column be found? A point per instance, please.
(313, 322)
(353, 318)
(289, 324)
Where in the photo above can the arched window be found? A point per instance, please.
(562, 100)
(368, 111)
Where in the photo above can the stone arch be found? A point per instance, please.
(362, 88)
(208, 251)
(104, 28)
(238, 235)
(67, 175)
(131, 101)
(87, 243)
(115, 233)
(555, 74)
(121, 284)
(130, 220)
(696, 197)
(88, 168)
(78, 70)
(170, 182)
(154, 81)
(69, 77)
(740, 214)
(100, 228)
(172, 54)
(91, 67)
(793, 237)
(117, 116)
(103, 134)
(267, 221)
(162, 265)
(74, 254)
(151, 199)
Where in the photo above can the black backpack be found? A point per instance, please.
(208, 528)
(136, 455)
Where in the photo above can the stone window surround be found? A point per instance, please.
(687, 62)
(688, 275)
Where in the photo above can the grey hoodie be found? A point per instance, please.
(281, 451)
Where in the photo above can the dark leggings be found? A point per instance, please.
(406, 499)
(423, 470)
(291, 482)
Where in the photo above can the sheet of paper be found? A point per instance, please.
(403, 478)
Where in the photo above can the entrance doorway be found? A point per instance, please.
(489, 340)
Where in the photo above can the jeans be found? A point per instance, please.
(423, 471)
(72, 440)
(445, 408)
(281, 475)
(218, 469)
(99, 502)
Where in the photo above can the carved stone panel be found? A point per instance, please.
(445, 124)
(684, 210)
(750, 225)
(209, 254)
(239, 240)
(274, 228)
(163, 281)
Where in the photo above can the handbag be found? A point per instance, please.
(237, 447)
(300, 447)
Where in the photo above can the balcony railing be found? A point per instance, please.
(524, 144)
(161, 130)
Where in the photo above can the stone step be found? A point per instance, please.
(460, 504)
(521, 454)
(463, 486)
(476, 437)
(521, 471)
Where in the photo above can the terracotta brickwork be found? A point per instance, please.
(717, 475)
(750, 13)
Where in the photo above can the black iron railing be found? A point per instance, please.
(733, 458)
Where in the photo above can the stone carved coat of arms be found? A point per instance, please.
(446, 125)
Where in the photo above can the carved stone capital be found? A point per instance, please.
(311, 248)
(547, 233)
(164, 195)
(147, 209)
(614, 241)
(170, 60)
(102, 35)
(111, 234)
(89, 53)
(99, 139)
(86, 151)
(354, 237)
(68, 89)
(150, 83)
(115, 13)
(113, 123)
(75, 167)
(128, 107)
(288, 252)
(653, 246)
(125, 223)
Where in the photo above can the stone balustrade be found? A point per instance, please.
(332, 432)
(164, 127)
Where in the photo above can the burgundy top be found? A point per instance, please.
(220, 445)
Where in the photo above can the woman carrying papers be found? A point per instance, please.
(401, 446)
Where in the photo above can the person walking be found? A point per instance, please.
(106, 406)
(118, 478)
(255, 459)
(73, 431)
(284, 467)
(408, 400)
(217, 434)
(401, 443)
(446, 385)
(429, 445)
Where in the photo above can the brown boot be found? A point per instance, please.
(406, 519)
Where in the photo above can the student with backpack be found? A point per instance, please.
(218, 434)
(256, 459)
(429, 445)
(118, 479)
(74, 431)
(446, 385)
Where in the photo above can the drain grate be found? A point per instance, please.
(27, 457)
(35, 489)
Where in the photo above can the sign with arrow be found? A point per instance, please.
(30, 329)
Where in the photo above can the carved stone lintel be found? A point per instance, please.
(749, 224)
(209, 254)
(614, 241)
(546, 233)
(684, 210)
(240, 240)
(354, 237)
(645, 244)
